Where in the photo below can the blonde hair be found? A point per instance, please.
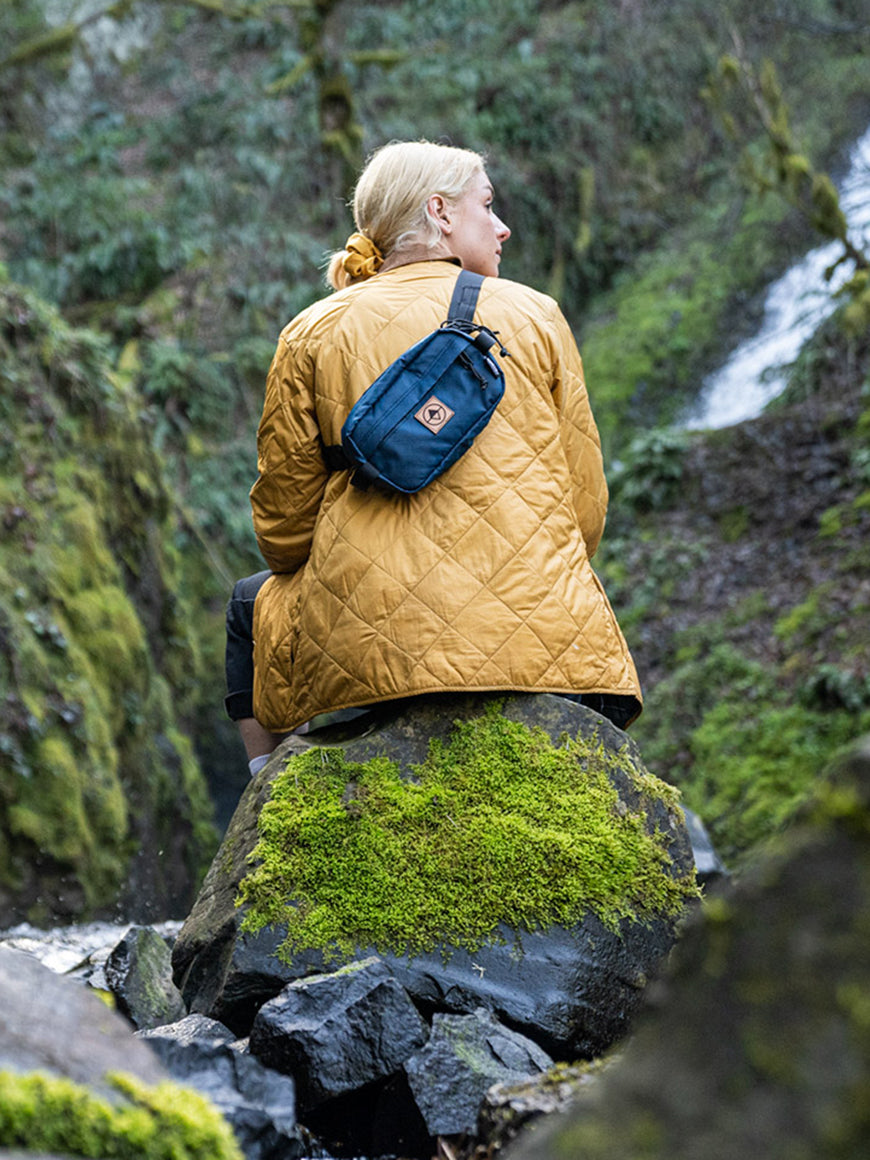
(390, 204)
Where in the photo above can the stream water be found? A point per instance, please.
(795, 306)
(79, 950)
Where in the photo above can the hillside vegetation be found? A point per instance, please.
(101, 797)
(173, 176)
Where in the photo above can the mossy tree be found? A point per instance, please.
(745, 97)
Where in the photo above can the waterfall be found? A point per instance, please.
(795, 306)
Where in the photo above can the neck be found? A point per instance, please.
(407, 255)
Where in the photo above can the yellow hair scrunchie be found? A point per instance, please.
(363, 257)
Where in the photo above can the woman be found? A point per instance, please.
(482, 581)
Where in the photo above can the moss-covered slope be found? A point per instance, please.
(100, 793)
(738, 561)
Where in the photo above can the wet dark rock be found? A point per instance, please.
(574, 991)
(757, 1041)
(508, 1106)
(259, 1103)
(192, 1031)
(336, 1033)
(465, 1055)
(377, 1122)
(138, 972)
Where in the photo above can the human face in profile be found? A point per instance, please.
(474, 233)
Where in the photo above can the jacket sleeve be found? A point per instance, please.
(292, 477)
(580, 439)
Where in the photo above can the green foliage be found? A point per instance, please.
(861, 464)
(855, 317)
(803, 623)
(830, 687)
(498, 825)
(744, 750)
(829, 366)
(43, 1113)
(704, 673)
(649, 477)
(23, 22)
(641, 573)
(650, 339)
(93, 236)
(549, 75)
(753, 680)
(756, 767)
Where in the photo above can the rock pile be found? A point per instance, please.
(351, 1047)
(753, 1040)
(390, 1049)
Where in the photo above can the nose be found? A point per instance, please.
(501, 231)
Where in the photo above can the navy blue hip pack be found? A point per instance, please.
(423, 412)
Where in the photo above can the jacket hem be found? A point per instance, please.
(458, 689)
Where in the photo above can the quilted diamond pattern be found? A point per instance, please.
(483, 580)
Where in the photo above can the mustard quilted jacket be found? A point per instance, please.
(482, 580)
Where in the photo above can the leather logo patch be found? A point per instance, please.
(434, 414)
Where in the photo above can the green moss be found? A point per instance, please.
(756, 769)
(499, 825)
(74, 815)
(803, 623)
(110, 633)
(96, 758)
(80, 556)
(745, 741)
(42, 1113)
(734, 524)
(831, 521)
(62, 824)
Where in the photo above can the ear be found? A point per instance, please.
(438, 209)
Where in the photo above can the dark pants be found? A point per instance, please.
(239, 701)
(620, 708)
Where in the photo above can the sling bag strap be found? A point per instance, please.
(464, 300)
(460, 315)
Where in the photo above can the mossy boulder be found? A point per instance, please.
(75, 1081)
(102, 800)
(43, 1112)
(758, 1042)
(511, 853)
